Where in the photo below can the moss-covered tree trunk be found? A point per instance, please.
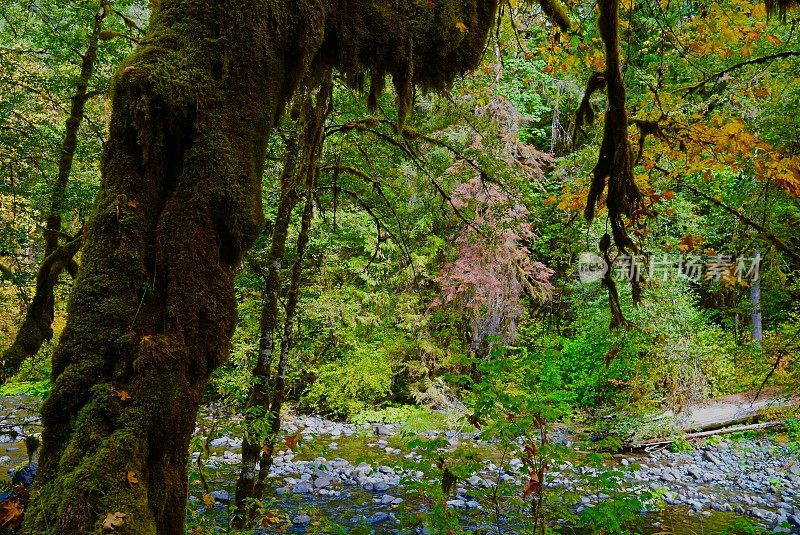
(153, 308)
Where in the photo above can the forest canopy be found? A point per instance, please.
(502, 222)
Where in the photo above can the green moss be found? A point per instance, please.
(418, 43)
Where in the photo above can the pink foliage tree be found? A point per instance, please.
(493, 270)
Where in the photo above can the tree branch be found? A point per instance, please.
(754, 61)
(764, 232)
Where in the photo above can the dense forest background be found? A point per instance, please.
(437, 261)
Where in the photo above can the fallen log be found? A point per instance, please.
(650, 444)
(730, 411)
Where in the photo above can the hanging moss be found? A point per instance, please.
(418, 43)
(614, 168)
(781, 7)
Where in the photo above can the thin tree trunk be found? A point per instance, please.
(258, 398)
(301, 161)
(38, 323)
(755, 300)
(279, 391)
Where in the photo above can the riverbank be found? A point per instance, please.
(369, 467)
(366, 475)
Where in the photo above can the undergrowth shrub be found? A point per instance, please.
(361, 379)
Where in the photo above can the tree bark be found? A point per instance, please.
(755, 301)
(153, 307)
(38, 323)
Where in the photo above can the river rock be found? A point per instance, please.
(695, 472)
(219, 442)
(301, 519)
(304, 487)
(379, 517)
(322, 482)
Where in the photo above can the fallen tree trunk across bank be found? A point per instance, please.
(723, 416)
(704, 434)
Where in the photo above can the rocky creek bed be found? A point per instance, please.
(363, 475)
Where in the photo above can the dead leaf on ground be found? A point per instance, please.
(11, 513)
(291, 441)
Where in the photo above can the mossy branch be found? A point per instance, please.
(555, 12)
(614, 168)
(36, 327)
(584, 115)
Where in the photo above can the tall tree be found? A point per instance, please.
(300, 169)
(153, 307)
(56, 62)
